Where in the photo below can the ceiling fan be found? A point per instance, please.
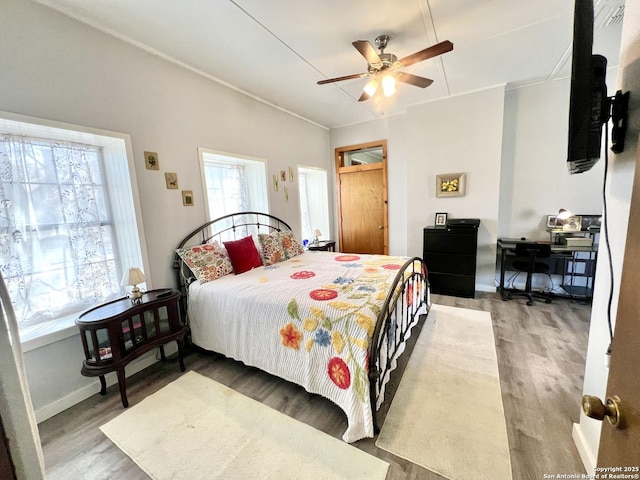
(384, 67)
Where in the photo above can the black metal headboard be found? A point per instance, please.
(229, 227)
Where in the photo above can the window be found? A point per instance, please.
(233, 184)
(68, 225)
(314, 202)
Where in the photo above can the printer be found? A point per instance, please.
(463, 223)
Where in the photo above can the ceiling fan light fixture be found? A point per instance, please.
(388, 85)
(371, 87)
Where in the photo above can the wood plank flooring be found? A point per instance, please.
(541, 356)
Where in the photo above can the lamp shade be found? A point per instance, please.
(132, 276)
(371, 87)
(563, 214)
(388, 85)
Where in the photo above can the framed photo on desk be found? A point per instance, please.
(572, 224)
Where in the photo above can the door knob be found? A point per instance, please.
(594, 408)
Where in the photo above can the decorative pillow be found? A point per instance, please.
(271, 246)
(207, 262)
(290, 245)
(243, 254)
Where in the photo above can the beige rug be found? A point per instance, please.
(447, 414)
(195, 428)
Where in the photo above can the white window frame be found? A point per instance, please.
(256, 175)
(122, 187)
(320, 215)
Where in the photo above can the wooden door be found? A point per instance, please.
(362, 202)
(620, 447)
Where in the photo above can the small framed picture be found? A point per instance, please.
(572, 224)
(151, 161)
(441, 219)
(187, 198)
(171, 180)
(450, 184)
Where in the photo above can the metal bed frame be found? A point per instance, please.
(397, 317)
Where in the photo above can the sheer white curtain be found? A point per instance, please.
(226, 188)
(314, 202)
(56, 238)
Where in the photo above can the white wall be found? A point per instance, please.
(55, 68)
(459, 134)
(622, 168)
(535, 180)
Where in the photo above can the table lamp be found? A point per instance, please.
(316, 234)
(132, 277)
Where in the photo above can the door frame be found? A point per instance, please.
(340, 169)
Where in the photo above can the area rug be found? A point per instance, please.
(196, 428)
(447, 414)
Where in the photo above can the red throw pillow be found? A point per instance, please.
(243, 254)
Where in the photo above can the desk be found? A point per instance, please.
(570, 258)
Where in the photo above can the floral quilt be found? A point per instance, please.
(308, 320)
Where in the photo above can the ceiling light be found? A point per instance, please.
(371, 87)
(388, 85)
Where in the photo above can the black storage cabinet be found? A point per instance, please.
(450, 255)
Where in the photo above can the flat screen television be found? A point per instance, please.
(588, 102)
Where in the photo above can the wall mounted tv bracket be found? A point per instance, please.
(619, 107)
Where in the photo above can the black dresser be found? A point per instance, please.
(450, 255)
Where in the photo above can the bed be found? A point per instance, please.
(334, 323)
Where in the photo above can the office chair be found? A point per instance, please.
(527, 255)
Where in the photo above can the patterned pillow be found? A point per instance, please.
(207, 262)
(271, 246)
(290, 245)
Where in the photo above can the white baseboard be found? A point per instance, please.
(93, 388)
(587, 455)
(486, 288)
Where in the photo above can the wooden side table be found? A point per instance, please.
(115, 333)
(326, 245)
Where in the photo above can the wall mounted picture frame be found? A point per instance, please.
(151, 161)
(171, 179)
(450, 184)
(441, 219)
(187, 198)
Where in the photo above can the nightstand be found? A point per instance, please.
(326, 245)
(115, 333)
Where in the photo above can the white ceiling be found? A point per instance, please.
(276, 50)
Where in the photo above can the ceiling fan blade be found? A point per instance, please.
(339, 79)
(433, 51)
(414, 80)
(364, 96)
(366, 50)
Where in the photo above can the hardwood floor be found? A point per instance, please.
(541, 356)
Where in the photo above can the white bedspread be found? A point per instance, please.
(307, 320)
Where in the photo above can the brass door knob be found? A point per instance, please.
(594, 408)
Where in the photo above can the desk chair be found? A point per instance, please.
(527, 255)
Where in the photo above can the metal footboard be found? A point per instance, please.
(407, 300)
